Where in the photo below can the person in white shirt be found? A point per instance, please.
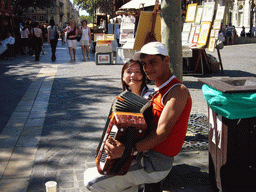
(24, 33)
(86, 39)
(3, 44)
(118, 36)
(52, 30)
(37, 40)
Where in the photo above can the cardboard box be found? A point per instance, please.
(103, 49)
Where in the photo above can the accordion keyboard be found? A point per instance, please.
(104, 155)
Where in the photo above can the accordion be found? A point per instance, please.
(127, 123)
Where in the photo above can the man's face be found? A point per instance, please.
(154, 66)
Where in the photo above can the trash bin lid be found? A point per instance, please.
(232, 84)
(230, 105)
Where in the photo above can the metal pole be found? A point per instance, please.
(251, 17)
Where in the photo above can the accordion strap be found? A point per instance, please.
(127, 151)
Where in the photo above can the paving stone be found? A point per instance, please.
(14, 185)
(20, 168)
(24, 153)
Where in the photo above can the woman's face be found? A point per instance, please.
(132, 75)
(84, 23)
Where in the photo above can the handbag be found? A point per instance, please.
(79, 36)
(219, 44)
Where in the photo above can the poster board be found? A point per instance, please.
(208, 12)
(109, 37)
(184, 37)
(191, 35)
(199, 12)
(217, 24)
(211, 45)
(220, 13)
(99, 36)
(144, 28)
(204, 32)
(186, 27)
(191, 12)
(126, 30)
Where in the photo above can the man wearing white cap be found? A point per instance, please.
(171, 108)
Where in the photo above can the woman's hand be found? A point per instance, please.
(114, 148)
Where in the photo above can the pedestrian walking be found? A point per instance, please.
(230, 34)
(72, 33)
(24, 34)
(86, 39)
(37, 40)
(117, 36)
(242, 34)
(62, 35)
(53, 37)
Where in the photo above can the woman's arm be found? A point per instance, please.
(48, 35)
(41, 34)
(89, 32)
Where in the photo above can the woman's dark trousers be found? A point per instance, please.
(37, 48)
(53, 46)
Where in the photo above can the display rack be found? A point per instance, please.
(200, 32)
(104, 54)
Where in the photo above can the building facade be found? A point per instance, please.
(62, 12)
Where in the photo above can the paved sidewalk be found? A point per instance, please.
(54, 130)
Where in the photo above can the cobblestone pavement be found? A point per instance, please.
(54, 125)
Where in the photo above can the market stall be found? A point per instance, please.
(200, 32)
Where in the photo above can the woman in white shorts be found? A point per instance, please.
(86, 39)
(72, 33)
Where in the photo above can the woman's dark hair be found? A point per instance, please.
(126, 66)
(83, 21)
(52, 23)
(36, 24)
(24, 26)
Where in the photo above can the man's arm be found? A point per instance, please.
(175, 101)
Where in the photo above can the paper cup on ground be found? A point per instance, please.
(51, 186)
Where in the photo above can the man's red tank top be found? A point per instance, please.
(173, 144)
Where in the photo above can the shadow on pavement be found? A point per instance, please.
(184, 178)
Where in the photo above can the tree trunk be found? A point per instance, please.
(171, 34)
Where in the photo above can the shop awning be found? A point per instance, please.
(137, 4)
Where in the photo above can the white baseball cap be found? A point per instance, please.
(152, 48)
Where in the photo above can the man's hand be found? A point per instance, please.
(114, 148)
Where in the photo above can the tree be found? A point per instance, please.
(171, 30)
(21, 6)
(105, 6)
(87, 18)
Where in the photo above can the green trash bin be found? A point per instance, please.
(232, 132)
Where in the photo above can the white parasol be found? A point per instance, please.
(137, 4)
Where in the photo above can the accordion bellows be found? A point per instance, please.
(127, 124)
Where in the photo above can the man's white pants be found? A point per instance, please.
(149, 167)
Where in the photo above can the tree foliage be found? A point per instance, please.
(21, 6)
(88, 18)
(104, 6)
